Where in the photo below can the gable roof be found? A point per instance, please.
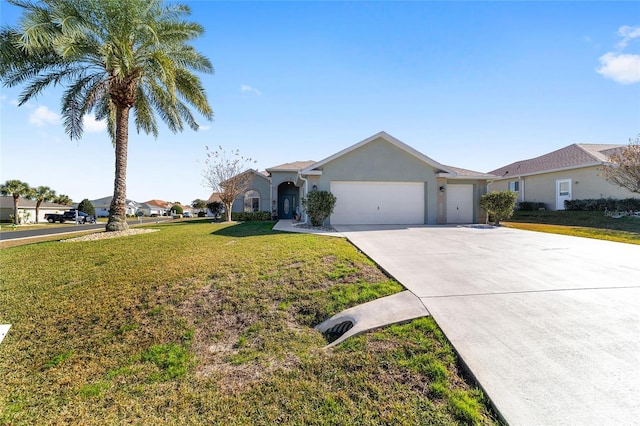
(291, 167)
(387, 137)
(569, 157)
(157, 203)
(465, 173)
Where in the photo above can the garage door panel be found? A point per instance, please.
(378, 203)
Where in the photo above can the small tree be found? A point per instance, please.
(623, 167)
(177, 209)
(86, 206)
(227, 174)
(499, 204)
(16, 188)
(215, 207)
(199, 204)
(319, 206)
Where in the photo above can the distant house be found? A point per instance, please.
(102, 205)
(154, 208)
(570, 173)
(27, 209)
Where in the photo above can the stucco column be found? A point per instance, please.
(441, 197)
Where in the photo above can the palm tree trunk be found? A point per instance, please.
(117, 210)
(15, 209)
(38, 202)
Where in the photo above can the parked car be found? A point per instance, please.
(70, 216)
(186, 214)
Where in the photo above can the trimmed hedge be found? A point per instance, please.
(602, 204)
(530, 206)
(250, 216)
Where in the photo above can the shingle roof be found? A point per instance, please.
(572, 156)
(158, 203)
(7, 201)
(470, 173)
(291, 167)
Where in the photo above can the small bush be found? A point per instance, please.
(602, 204)
(530, 206)
(250, 216)
(319, 206)
(177, 209)
(499, 204)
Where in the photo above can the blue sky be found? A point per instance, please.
(475, 85)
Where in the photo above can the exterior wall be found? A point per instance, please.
(585, 184)
(6, 212)
(381, 161)
(263, 187)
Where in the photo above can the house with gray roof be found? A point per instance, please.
(569, 173)
(379, 180)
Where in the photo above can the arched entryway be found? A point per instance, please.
(288, 200)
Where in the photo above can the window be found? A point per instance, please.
(563, 190)
(514, 186)
(251, 201)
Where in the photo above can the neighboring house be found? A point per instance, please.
(27, 209)
(102, 206)
(154, 207)
(379, 180)
(570, 173)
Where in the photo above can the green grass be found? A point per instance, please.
(581, 224)
(206, 323)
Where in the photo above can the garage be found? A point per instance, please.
(378, 203)
(459, 203)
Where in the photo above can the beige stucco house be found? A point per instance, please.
(570, 173)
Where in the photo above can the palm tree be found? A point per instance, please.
(17, 189)
(112, 57)
(63, 199)
(42, 193)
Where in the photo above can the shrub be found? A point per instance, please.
(602, 204)
(250, 216)
(319, 206)
(499, 204)
(86, 206)
(530, 206)
(202, 214)
(177, 209)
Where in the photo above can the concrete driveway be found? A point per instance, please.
(548, 324)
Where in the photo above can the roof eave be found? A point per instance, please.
(542, 172)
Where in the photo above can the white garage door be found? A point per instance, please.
(459, 203)
(378, 203)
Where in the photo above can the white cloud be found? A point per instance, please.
(246, 88)
(41, 116)
(92, 125)
(627, 33)
(621, 68)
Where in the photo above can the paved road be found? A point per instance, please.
(64, 228)
(548, 324)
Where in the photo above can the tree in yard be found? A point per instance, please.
(86, 206)
(319, 206)
(199, 204)
(16, 188)
(623, 167)
(227, 173)
(112, 58)
(215, 207)
(42, 194)
(63, 199)
(499, 204)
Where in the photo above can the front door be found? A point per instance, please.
(287, 206)
(563, 192)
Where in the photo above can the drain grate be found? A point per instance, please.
(337, 330)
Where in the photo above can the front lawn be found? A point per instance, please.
(205, 323)
(591, 224)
